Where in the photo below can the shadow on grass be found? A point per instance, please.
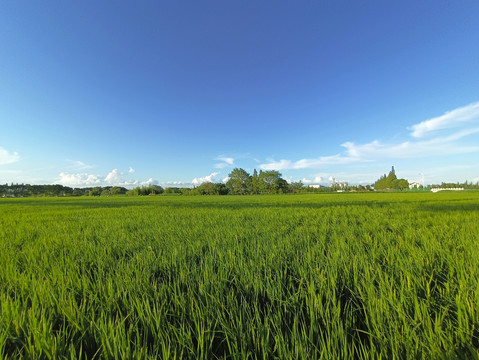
(449, 207)
(240, 202)
(86, 203)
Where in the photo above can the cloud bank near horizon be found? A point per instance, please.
(113, 178)
(208, 178)
(117, 178)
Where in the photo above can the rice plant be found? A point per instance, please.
(350, 276)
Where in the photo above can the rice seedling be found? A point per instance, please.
(351, 276)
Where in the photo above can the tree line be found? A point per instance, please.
(27, 190)
(467, 185)
(240, 182)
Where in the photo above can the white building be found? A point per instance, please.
(414, 185)
(338, 184)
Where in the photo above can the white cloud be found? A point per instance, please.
(306, 163)
(176, 183)
(79, 165)
(225, 161)
(225, 179)
(411, 149)
(78, 179)
(228, 160)
(131, 171)
(114, 177)
(128, 183)
(10, 171)
(7, 157)
(450, 119)
(316, 180)
(150, 181)
(447, 144)
(189, 184)
(209, 178)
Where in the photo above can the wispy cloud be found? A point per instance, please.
(208, 178)
(225, 161)
(79, 165)
(438, 146)
(450, 119)
(131, 170)
(446, 144)
(7, 157)
(10, 171)
(307, 163)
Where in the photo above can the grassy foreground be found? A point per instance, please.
(337, 276)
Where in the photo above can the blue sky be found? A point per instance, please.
(180, 92)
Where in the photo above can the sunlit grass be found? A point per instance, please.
(307, 276)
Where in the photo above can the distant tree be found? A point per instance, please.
(390, 182)
(281, 186)
(116, 190)
(188, 191)
(402, 184)
(133, 192)
(221, 189)
(146, 190)
(77, 192)
(270, 182)
(96, 191)
(255, 183)
(155, 190)
(267, 180)
(239, 182)
(296, 187)
(172, 190)
(206, 188)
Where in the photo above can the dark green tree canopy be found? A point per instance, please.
(391, 182)
(240, 182)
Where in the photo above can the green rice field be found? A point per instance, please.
(322, 276)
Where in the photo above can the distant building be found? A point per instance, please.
(338, 184)
(446, 189)
(414, 185)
